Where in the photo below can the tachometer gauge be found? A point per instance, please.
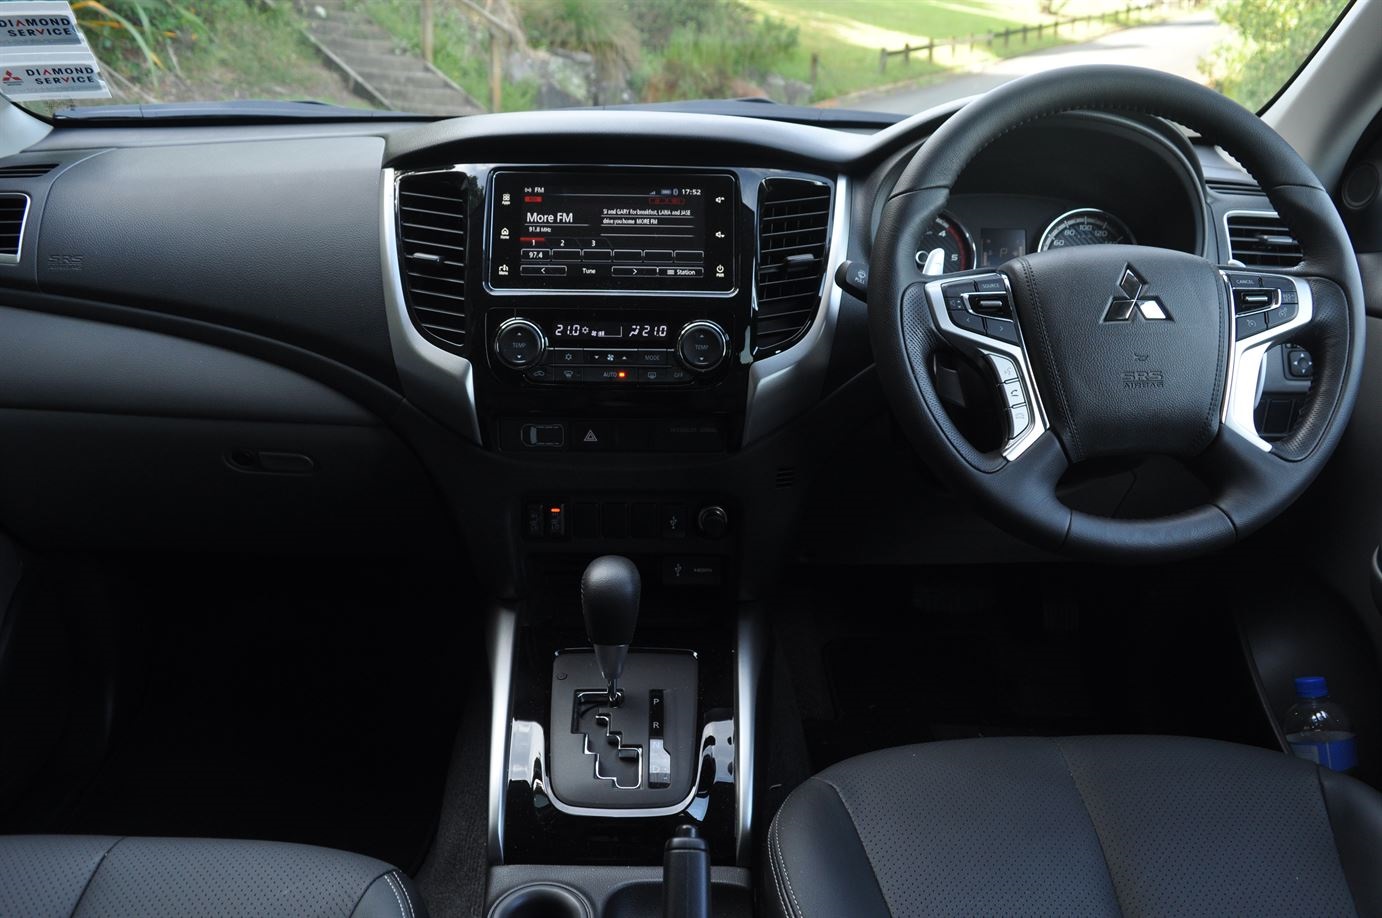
(1086, 226)
(946, 234)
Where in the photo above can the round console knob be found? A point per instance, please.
(712, 522)
(702, 345)
(519, 344)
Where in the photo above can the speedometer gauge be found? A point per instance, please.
(946, 233)
(1086, 226)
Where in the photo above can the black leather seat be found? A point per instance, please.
(1082, 826)
(56, 876)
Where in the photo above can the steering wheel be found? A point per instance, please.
(1111, 350)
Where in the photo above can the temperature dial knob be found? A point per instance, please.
(519, 344)
(702, 345)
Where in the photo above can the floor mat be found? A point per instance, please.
(304, 702)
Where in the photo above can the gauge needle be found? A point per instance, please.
(935, 262)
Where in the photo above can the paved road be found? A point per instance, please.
(1174, 46)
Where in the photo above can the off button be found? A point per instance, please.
(702, 345)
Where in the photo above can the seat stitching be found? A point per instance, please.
(787, 877)
(77, 906)
(1112, 882)
(365, 892)
(412, 912)
(854, 821)
(775, 871)
(388, 878)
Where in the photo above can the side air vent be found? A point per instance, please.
(1261, 240)
(14, 209)
(1220, 186)
(432, 235)
(793, 226)
(27, 170)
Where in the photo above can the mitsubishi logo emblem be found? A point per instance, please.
(1131, 303)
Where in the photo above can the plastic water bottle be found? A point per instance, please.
(1318, 729)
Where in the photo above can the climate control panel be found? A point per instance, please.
(562, 347)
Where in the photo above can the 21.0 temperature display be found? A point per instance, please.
(610, 331)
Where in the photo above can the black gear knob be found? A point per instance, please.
(610, 589)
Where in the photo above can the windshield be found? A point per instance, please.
(452, 57)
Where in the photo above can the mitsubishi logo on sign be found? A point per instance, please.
(1132, 303)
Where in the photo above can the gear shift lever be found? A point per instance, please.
(610, 589)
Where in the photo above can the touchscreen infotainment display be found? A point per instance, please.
(670, 232)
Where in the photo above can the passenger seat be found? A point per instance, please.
(69, 876)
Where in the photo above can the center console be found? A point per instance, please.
(620, 346)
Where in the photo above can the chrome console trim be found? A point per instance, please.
(786, 384)
(435, 380)
(502, 635)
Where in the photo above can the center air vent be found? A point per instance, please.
(793, 226)
(27, 170)
(14, 208)
(1262, 240)
(432, 235)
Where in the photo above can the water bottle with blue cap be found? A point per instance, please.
(1318, 729)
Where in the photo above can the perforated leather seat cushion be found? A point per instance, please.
(1079, 826)
(105, 877)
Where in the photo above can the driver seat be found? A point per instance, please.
(1099, 825)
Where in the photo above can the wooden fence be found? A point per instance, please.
(1023, 34)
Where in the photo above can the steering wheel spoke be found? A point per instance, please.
(1268, 310)
(975, 315)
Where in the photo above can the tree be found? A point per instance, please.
(1274, 39)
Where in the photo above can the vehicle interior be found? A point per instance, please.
(932, 522)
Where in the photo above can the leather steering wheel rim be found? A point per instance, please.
(1250, 483)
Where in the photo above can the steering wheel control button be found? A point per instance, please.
(1001, 329)
(519, 344)
(1003, 367)
(702, 345)
(1251, 299)
(1282, 314)
(1299, 364)
(968, 321)
(1013, 395)
(1251, 324)
(1019, 419)
(1244, 280)
(990, 285)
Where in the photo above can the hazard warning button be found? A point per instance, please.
(592, 435)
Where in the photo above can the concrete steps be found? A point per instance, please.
(401, 80)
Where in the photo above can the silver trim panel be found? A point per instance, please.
(1246, 358)
(23, 226)
(435, 380)
(527, 764)
(786, 384)
(986, 347)
(503, 633)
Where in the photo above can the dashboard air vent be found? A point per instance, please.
(432, 236)
(793, 227)
(1261, 240)
(14, 208)
(27, 170)
(1221, 186)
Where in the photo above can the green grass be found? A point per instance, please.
(845, 36)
